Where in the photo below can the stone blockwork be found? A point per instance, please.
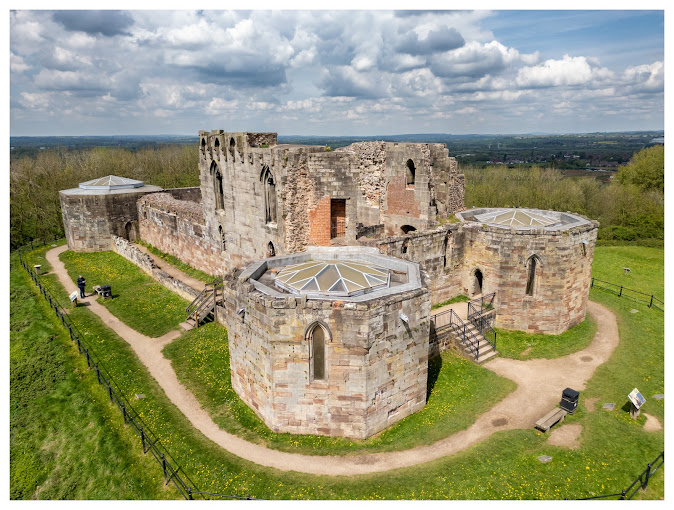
(91, 217)
(375, 364)
(147, 264)
(561, 283)
(244, 175)
(177, 227)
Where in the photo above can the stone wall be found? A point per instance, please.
(186, 194)
(90, 220)
(561, 283)
(147, 264)
(376, 366)
(176, 227)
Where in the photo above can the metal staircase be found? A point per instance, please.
(205, 304)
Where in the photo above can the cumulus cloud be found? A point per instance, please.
(571, 71)
(107, 23)
(288, 69)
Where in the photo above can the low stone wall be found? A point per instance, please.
(185, 194)
(147, 264)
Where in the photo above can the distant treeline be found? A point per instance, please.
(35, 209)
(630, 208)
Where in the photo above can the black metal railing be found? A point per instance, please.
(622, 291)
(641, 481)
(482, 314)
(173, 473)
(480, 305)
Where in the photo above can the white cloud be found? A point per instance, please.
(567, 71)
(17, 64)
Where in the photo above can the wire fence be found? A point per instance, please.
(173, 473)
(622, 291)
(641, 481)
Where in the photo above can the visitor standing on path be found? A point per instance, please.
(81, 282)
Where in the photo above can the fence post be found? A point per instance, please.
(648, 476)
(651, 305)
(124, 413)
(110, 391)
(98, 373)
(86, 351)
(621, 291)
(142, 438)
(592, 282)
(163, 465)
(189, 493)
(622, 493)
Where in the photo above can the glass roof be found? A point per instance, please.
(333, 277)
(111, 182)
(516, 218)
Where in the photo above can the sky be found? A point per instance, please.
(369, 72)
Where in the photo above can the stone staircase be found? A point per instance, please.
(485, 351)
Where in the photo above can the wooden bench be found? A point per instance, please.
(554, 416)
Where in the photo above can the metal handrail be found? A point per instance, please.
(473, 308)
(465, 335)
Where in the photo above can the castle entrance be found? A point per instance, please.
(337, 218)
(477, 282)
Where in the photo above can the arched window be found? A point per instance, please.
(203, 143)
(407, 229)
(532, 264)
(221, 232)
(232, 144)
(317, 337)
(217, 186)
(410, 172)
(271, 251)
(217, 143)
(269, 189)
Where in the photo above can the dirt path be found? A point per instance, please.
(540, 384)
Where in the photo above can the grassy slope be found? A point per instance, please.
(511, 344)
(65, 440)
(614, 449)
(138, 300)
(185, 268)
(201, 360)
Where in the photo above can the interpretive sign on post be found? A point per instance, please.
(637, 400)
(73, 298)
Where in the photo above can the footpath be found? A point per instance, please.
(540, 383)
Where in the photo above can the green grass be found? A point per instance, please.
(179, 264)
(461, 392)
(645, 264)
(137, 299)
(65, 441)
(511, 343)
(456, 299)
(614, 449)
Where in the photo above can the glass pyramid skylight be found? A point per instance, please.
(333, 278)
(516, 218)
(111, 182)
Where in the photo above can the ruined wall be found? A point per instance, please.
(147, 264)
(562, 281)
(187, 194)
(176, 227)
(90, 221)
(436, 252)
(376, 368)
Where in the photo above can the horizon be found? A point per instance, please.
(376, 73)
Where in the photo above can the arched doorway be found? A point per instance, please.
(410, 173)
(477, 282)
(129, 232)
(271, 251)
(407, 229)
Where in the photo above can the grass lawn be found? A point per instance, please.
(645, 264)
(461, 392)
(457, 299)
(614, 449)
(174, 261)
(137, 299)
(511, 344)
(66, 442)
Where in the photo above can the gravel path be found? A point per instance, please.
(540, 384)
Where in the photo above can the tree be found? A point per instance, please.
(646, 169)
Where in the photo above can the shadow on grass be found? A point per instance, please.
(434, 367)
